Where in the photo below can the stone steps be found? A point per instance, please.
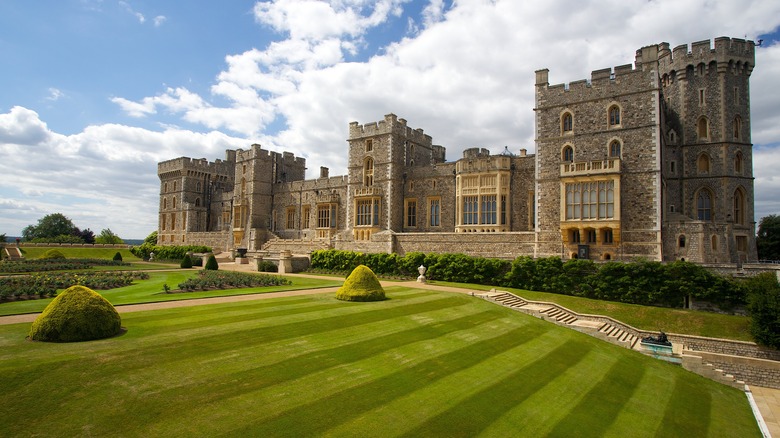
(559, 315)
(696, 364)
(510, 300)
(618, 334)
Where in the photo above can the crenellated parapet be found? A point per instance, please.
(736, 54)
(601, 81)
(390, 125)
(183, 166)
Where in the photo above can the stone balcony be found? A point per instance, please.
(597, 167)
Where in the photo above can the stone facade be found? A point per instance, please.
(652, 160)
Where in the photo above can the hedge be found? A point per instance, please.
(641, 282)
(174, 252)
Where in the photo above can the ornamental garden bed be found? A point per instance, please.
(213, 280)
(42, 285)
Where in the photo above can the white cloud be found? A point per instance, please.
(55, 94)
(139, 16)
(159, 20)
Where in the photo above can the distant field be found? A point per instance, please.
(418, 364)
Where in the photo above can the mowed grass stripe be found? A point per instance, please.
(596, 412)
(327, 412)
(693, 399)
(495, 400)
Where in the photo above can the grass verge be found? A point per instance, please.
(418, 364)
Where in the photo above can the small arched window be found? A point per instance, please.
(369, 145)
(703, 163)
(737, 128)
(173, 202)
(738, 163)
(614, 116)
(197, 202)
(702, 128)
(165, 203)
(567, 154)
(672, 137)
(614, 149)
(681, 241)
(739, 207)
(368, 172)
(567, 122)
(704, 206)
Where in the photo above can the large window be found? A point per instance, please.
(367, 212)
(470, 210)
(434, 212)
(704, 206)
(614, 115)
(411, 213)
(326, 216)
(290, 218)
(305, 217)
(590, 200)
(488, 210)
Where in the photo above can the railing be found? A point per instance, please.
(368, 191)
(610, 165)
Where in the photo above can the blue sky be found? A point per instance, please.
(96, 92)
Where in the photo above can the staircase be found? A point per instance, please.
(13, 253)
(696, 364)
(617, 335)
(559, 315)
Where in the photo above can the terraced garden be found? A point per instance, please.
(419, 364)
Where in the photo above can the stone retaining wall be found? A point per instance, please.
(759, 372)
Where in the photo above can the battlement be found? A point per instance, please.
(183, 164)
(391, 124)
(724, 51)
(598, 79)
(256, 151)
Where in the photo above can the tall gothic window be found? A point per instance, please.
(702, 128)
(739, 207)
(614, 149)
(566, 122)
(738, 163)
(368, 172)
(704, 206)
(568, 154)
(614, 115)
(737, 128)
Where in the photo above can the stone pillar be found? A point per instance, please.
(285, 262)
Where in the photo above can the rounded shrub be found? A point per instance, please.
(77, 314)
(361, 285)
(211, 264)
(53, 254)
(186, 262)
(117, 257)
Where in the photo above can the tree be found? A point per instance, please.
(108, 237)
(768, 239)
(151, 239)
(48, 227)
(764, 309)
(211, 264)
(86, 235)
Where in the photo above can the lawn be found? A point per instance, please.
(151, 290)
(682, 321)
(419, 364)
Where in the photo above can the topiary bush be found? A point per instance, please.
(77, 314)
(117, 257)
(52, 254)
(267, 266)
(211, 264)
(186, 262)
(361, 285)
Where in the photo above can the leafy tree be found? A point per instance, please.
(49, 226)
(151, 239)
(764, 309)
(108, 237)
(86, 235)
(768, 239)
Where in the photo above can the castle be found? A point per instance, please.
(648, 161)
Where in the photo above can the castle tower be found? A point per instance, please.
(707, 169)
(379, 155)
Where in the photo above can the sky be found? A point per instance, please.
(96, 92)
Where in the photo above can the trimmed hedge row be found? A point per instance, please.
(641, 282)
(166, 252)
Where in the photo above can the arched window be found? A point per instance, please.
(704, 206)
(614, 149)
(165, 203)
(702, 128)
(173, 202)
(368, 172)
(567, 154)
(567, 122)
(369, 145)
(681, 241)
(197, 202)
(738, 163)
(197, 187)
(737, 128)
(739, 207)
(672, 137)
(703, 163)
(614, 115)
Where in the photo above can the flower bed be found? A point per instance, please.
(206, 280)
(44, 265)
(46, 284)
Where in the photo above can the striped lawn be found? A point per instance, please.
(418, 364)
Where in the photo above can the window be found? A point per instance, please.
(614, 149)
(738, 163)
(184, 221)
(470, 210)
(703, 163)
(305, 216)
(672, 137)
(435, 212)
(243, 168)
(165, 187)
(369, 145)
(411, 213)
(736, 96)
(326, 216)
(566, 123)
(368, 172)
(503, 209)
(173, 222)
(173, 202)
(568, 154)
(614, 115)
(704, 206)
(607, 236)
(591, 235)
(489, 209)
(574, 236)
(197, 202)
(672, 165)
(701, 97)
(197, 187)
(165, 203)
(702, 128)
(739, 207)
(174, 186)
(737, 128)
(714, 242)
(681, 241)
(741, 243)
(164, 223)
(290, 218)
(590, 200)
(367, 212)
